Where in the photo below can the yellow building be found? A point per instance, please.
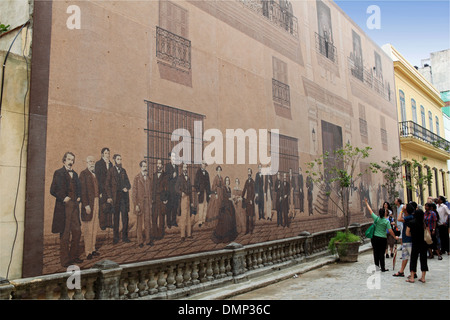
(421, 129)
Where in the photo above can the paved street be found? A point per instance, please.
(342, 281)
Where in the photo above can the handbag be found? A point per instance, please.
(427, 236)
(371, 230)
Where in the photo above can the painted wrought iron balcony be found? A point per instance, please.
(281, 93)
(326, 48)
(281, 16)
(367, 76)
(173, 49)
(412, 129)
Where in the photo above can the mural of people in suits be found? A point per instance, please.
(238, 205)
(216, 198)
(90, 207)
(202, 185)
(66, 188)
(183, 188)
(141, 193)
(259, 193)
(292, 186)
(310, 189)
(226, 230)
(117, 187)
(269, 196)
(160, 198)
(101, 170)
(285, 200)
(301, 193)
(248, 194)
(172, 172)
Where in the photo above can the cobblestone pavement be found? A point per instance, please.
(358, 281)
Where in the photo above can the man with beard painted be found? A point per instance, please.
(173, 204)
(89, 207)
(101, 170)
(142, 206)
(66, 189)
(117, 187)
(160, 195)
(259, 192)
(183, 188)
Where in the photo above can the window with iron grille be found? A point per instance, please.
(162, 121)
(288, 160)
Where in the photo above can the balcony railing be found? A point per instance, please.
(281, 16)
(326, 48)
(366, 76)
(281, 93)
(412, 129)
(173, 49)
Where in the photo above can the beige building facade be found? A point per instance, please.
(125, 75)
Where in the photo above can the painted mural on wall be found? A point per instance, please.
(148, 202)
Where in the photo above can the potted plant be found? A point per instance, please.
(337, 174)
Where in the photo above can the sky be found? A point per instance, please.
(415, 28)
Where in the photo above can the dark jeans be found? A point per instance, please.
(416, 251)
(443, 234)
(379, 248)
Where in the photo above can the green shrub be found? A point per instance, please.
(342, 237)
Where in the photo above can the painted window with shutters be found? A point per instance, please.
(383, 132)
(363, 124)
(280, 88)
(173, 18)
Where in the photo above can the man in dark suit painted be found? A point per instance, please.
(172, 173)
(66, 189)
(259, 192)
(202, 185)
(285, 194)
(301, 192)
(101, 170)
(160, 196)
(249, 198)
(117, 187)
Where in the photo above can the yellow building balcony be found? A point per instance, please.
(418, 138)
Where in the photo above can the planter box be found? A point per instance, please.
(348, 251)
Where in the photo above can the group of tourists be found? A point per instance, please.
(410, 228)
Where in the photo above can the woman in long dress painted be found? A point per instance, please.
(216, 199)
(240, 212)
(225, 231)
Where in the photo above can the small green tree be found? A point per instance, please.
(420, 177)
(339, 174)
(392, 175)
